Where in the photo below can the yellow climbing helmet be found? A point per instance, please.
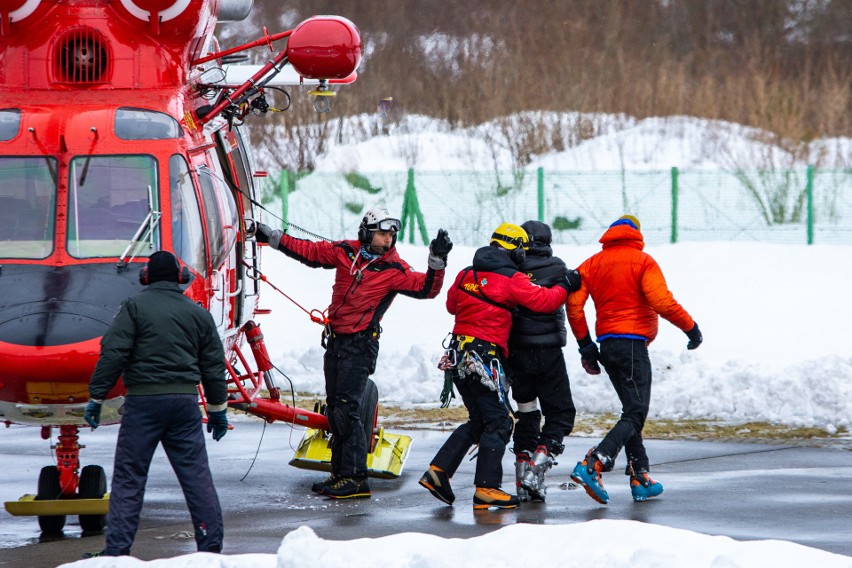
(510, 237)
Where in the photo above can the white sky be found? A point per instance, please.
(776, 348)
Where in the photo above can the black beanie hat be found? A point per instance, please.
(538, 231)
(163, 266)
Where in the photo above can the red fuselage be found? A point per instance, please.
(103, 162)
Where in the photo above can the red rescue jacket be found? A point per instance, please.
(494, 279)
(363, 289)
(628, 289)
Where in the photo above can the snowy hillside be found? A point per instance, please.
(776, 344)
(732, 179)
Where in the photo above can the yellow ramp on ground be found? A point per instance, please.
(27, 506)
(386, 461)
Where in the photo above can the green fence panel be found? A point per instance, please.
(679, 205)
(674, 205)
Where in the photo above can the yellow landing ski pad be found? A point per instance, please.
(28, 506)
(385, 461)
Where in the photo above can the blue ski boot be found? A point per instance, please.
(642, 486)
(588, 474)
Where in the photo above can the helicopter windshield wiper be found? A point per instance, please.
(146, 229)
(85, 172)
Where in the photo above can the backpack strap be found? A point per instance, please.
(482, 296)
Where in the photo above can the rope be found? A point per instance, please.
(286, 223)
(316, 315)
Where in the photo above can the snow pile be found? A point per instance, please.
(610, 543)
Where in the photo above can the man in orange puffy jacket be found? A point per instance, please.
(629, 292)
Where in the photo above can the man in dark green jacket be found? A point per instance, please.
(162, 344)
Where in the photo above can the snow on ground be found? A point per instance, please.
(614, 544)
(773, 317)
(775, 349)
(774, 320)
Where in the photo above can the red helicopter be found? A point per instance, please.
(119, 136)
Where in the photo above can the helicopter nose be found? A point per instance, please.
(44, 306)
(50, 323)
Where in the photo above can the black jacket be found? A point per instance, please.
(531, 329)
(162, 343)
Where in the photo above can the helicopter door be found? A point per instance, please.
(237, 167)
(222, 226)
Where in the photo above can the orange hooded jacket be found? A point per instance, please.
(628, 289)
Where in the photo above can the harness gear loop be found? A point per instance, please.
(468, 357)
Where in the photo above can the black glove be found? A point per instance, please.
(266, 234)
(217, 422)
(93, 413)
(439, 248)
(695, 338)
(572, 280)
(589, 355)
(569, 280)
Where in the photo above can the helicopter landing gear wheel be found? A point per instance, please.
(49, 489)
(93, 485)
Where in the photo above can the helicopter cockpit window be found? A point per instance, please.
(141, 124)
(27, 206)
(187, 233)
(222, 215)
(10, 123)
(109, 201)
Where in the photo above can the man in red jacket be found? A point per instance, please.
(369, 275)
(482, 299)
(629, 292)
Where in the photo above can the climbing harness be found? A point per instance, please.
(469, 357)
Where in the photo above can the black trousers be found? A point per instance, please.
(540, 373)
(488, 424)
(629, 368)
(174, 421)
(348, 363)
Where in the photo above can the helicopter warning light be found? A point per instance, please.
(325, 47)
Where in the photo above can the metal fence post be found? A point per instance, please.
(810, 192)
(411, 213)
(674, 204)
(541, 195)
(284, 191)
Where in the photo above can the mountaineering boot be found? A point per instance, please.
(588, 474)
(319, 486)
(491, 498)
(349, 488)
(437, 482)
(642, 486)
(522, 466)
(533, 481)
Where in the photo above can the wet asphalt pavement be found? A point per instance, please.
(747, 491)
